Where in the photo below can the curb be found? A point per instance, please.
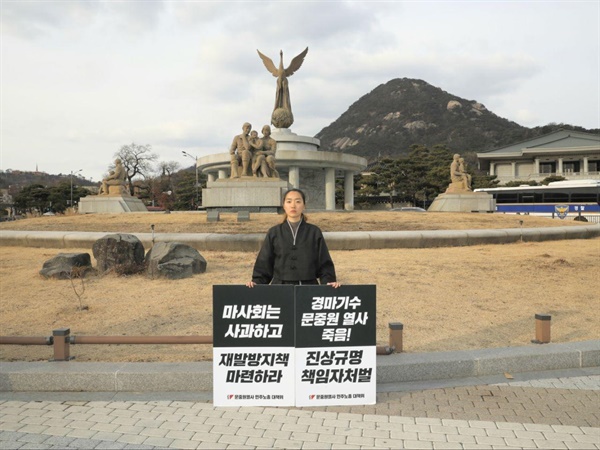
(197, 376)
(351, 240)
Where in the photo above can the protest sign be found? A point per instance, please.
(253, 346)
(335, 345)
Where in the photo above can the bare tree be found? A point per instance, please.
(137, 160)
(167, 168)
(163, 188)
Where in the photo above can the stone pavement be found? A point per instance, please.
(557, 409)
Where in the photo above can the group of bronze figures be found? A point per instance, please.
(253, 156)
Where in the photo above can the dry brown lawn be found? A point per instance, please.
(448, 298)
(339, 221)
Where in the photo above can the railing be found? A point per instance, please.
(592, 219)
(541, 175)
(61, 341)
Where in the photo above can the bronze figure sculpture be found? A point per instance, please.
(115, 178)
(240, 153)
(282, 116)
(460, 179)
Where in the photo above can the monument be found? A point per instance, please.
(282, 116)
(254, 183)
(256, 172)
(113, 196)
(459, 196)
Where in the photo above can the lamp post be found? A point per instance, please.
(195, 158)
(71, 176)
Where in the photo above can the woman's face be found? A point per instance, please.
(293, 205)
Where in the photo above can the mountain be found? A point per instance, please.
(404, 111)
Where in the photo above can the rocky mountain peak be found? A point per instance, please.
(404, 111)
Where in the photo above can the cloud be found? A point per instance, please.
(525, 116)
(134, 17)
(80, 79)
(37, 19)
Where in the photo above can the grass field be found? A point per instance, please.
(448, 298)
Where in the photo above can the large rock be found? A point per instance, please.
(67, 265)
(123, 253)
(174, 260)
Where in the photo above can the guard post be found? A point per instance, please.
(62, 341)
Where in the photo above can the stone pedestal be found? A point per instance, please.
(244, 194)
(463, 202)
(110, 204)
(288, 140)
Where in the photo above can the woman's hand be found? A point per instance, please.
(250, 284)
(334, 284)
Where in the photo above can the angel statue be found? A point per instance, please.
(282, 116)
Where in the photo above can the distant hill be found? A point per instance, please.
(402, 112)
(16, 179)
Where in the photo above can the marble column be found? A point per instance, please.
(514, 169)
(330, 189)
(586, 165)
(536, 166)
(559, 168)
(210, 177)
(492, 168)
(349, 190)
(294, 177)
(222, 174)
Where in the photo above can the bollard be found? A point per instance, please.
(61, 344)
(396, 336)
(542, 328)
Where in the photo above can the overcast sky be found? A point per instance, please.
(80, 79)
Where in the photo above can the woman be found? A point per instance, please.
(294, 252)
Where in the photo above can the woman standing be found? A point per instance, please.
(294, 252)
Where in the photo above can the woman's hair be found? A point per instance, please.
(303, 201)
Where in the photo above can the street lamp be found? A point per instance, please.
(195, 158)
(71, 176)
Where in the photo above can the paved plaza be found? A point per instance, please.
(557, 409)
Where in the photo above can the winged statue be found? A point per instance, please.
(282, 112)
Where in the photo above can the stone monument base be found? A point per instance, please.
(463, 202)
(244, 193)
(111, 204)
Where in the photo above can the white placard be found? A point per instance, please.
(262, 376)
(336, 376)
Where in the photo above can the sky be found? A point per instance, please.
(81, 79)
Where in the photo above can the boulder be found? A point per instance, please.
(123, 253)
(67, 265)
(174, 260)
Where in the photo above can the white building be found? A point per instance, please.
(571, 154)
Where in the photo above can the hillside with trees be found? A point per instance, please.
(14, 180)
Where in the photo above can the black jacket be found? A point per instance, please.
(280, 261)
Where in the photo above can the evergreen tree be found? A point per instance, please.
(32, 198)
(185, 190)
